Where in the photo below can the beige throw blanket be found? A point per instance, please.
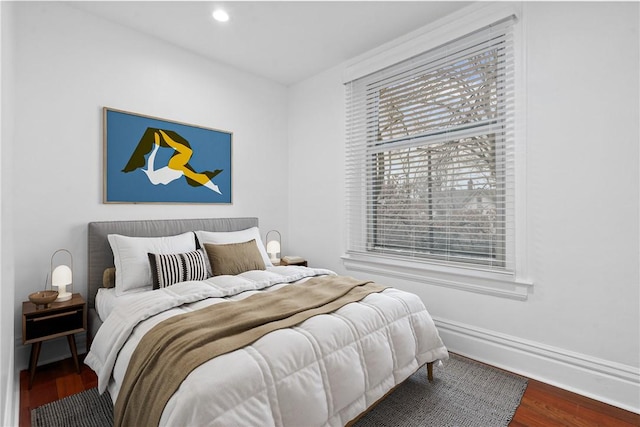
(176, 346)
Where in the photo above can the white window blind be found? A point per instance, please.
(429, 171)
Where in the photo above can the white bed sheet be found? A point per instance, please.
(107, 300)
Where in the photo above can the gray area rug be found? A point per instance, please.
(86, 409)
(463, 393)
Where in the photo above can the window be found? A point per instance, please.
(430, 163)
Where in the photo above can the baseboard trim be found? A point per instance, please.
(609, 382)
(11, 408)
(16, 400)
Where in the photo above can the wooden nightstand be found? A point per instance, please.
(58, 320)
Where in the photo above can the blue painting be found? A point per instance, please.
(151, 160)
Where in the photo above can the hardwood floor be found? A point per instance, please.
(541, 405)
(546, 405)
(52, 382)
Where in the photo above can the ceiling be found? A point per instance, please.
(287, 41)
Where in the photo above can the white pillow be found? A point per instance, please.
(132, 262)
(224, 237)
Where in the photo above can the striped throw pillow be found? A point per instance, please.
(167, 269)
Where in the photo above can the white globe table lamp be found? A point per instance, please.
(273, 247)
(62, 276)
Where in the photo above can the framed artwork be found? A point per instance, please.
(152, 160)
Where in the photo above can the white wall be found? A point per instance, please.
(580, 326)
(578, 329)
(68, 65)
(8, 377)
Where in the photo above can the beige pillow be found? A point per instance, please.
(234, 258)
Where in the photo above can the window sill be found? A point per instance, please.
(504, 285)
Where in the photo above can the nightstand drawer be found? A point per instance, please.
(53, 324)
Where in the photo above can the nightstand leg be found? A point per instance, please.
(33, 361)
(74, 352)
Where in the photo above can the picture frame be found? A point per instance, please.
(153, 160)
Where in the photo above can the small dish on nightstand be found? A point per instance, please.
(44, 298)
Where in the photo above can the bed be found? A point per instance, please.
(161, 350)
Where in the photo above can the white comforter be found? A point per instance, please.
(325, 371)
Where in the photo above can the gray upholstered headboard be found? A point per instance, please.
(101, 257)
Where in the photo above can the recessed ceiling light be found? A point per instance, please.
(220, 15)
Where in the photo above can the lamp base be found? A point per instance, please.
(64, 296)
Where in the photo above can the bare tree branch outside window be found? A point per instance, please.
(435, 195)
